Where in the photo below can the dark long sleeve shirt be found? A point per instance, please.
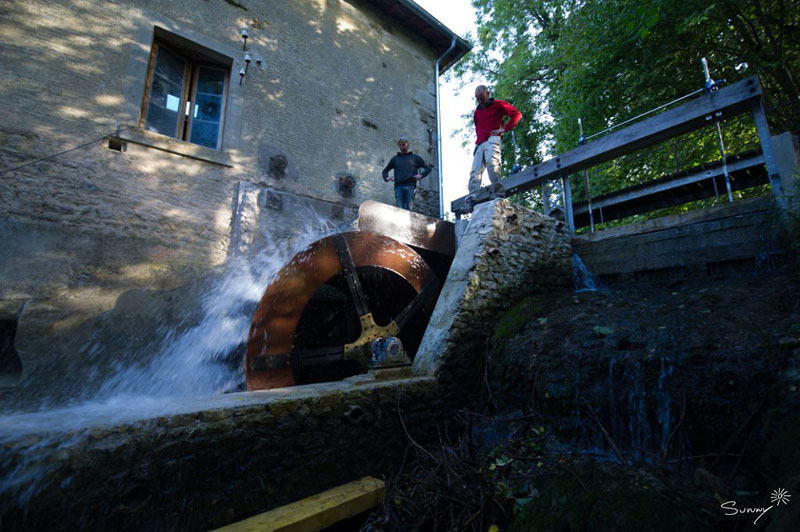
(405, 167)
(490, 117)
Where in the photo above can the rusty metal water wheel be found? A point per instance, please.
(317, 319)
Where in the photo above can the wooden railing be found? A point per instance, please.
(739, 98)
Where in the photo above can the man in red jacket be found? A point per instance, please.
(489, 126)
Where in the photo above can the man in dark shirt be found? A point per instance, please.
(488, 118)
(406, 166)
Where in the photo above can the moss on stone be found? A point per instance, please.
(607, 497)
(514, 320)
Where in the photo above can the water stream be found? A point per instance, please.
(582, 278)
(203, 360)
(191, 369)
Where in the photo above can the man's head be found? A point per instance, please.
(482, 94)
(402, 144)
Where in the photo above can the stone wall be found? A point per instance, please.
(130, 210)
(506, 252)
(209, 462)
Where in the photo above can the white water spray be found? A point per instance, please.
(204, 360)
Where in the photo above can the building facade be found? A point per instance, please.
(183, 130)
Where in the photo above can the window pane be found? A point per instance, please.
(205, 133)
(208, 107)
(161, 120)
(207, 113)
(165, 93)
(210, 81)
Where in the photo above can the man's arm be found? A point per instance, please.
(514, 115)
(426, 168)
(385, 172)
(509, 111)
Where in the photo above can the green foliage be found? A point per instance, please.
(607, 61)
(515, 319)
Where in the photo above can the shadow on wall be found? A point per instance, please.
(75, 362)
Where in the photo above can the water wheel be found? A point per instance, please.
(317, 320)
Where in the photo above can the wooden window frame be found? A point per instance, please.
(194, 62)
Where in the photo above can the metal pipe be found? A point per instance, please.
(724, 163)
(710, 87)
(567, 195)
(587, 186)
(439, 130)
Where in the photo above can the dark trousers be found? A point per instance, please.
(404, 196)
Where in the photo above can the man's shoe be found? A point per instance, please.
(497, 191)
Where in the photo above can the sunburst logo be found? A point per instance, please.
(780, 496)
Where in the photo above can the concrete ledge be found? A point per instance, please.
(173, 145)
(201, 463)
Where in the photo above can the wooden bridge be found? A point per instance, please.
(732, 225)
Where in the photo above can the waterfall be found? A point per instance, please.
(582, 278)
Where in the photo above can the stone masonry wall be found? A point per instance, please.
(505, 253)
(209, 462)
(339, 84)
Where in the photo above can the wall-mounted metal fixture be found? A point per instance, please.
(242, 74)
(247, 60)
(244, 38)
(345, 183)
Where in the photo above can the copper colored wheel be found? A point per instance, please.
(342, 291)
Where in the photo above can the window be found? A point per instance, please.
(185, 95)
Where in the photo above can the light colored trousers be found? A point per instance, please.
(487, 156)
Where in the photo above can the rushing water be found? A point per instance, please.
(200, 361)
(191, 367)
(582, 278)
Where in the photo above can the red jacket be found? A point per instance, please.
(490, 117)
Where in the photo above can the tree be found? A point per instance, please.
(607, 61)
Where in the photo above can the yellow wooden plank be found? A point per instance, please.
(318, 511)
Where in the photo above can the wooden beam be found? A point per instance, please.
(764, 136)
(729, 101)
(318, 511)
(659, 186)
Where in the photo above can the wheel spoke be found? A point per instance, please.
(351, 275)
(415, 304)
(317, 356)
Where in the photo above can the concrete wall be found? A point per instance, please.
(339, 84)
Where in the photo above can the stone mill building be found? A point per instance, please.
(144, 143)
